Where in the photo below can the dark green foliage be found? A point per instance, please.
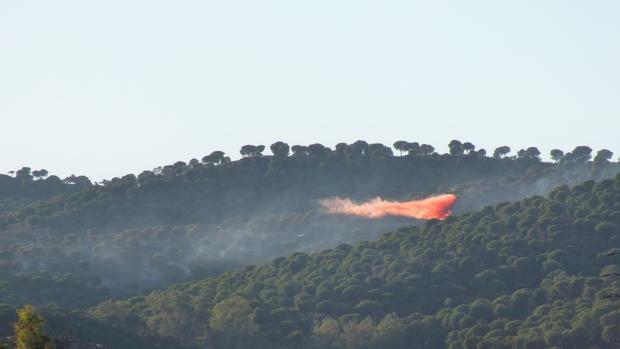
(482, 277)
(183, 221)
(475, 280)
(603, 155)
(28, 330)
(556, 155)
(29, 186)
(501, 151)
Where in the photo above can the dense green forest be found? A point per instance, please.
(69, 245)
(525, 274)
(128, 235)
(26, 186)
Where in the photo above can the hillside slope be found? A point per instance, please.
(187, 221)
(27, 187)
(522, 274)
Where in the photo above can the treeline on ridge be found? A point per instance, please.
(356, 170)
(129, 235)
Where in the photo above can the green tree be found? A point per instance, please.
(247, 150)
(391, 333)
(40, 174)
(556, 155)
(341, 149)
(456, 147)
(426, 149)
(468, 147)
(401, 146)
(318, 150)
(194, 163)
(258, 150)
(301, 150)
(215, 157)
(358, 148)
(280, 149)
(580, 154)
(500, 152)
(603, 155)
(232, 319)
(173, 314)
(80, 181)
(378, 150)
(529, 153)
(23, 173)
(326, 334)
(28, 330)
(359, 335)
(412, 148)
(532, 153)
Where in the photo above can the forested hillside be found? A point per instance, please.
(536, 273)
(216, 189)
(25, 186)
(126, 236)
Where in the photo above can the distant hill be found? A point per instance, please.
(26, 186)
(525, 274)
(83, 243)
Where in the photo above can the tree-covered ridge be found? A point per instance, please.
(522, 274)
(192, 220)
(26, 186)
(216, 187)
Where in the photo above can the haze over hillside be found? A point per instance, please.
(75, 244)
(524, 274)
(309, 174)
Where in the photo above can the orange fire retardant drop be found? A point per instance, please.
(438, 207)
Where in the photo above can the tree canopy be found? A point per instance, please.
(232, 254)
(522, 274)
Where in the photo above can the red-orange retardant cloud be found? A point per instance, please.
(438, 207)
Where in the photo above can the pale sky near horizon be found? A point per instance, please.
(105, 88)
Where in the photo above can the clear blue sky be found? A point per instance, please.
(104, 88)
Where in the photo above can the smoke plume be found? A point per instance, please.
(438, 207)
